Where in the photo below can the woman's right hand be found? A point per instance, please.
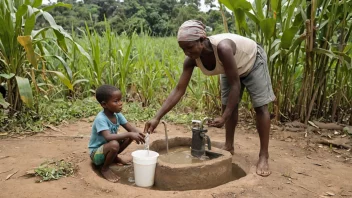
(151, 125)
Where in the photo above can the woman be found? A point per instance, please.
(241, 63)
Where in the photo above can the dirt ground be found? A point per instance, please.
(300, 167)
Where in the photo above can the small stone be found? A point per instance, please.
(329, 185)
(330, 193)
(64, 188)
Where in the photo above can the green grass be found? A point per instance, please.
(54, 170)
(57, 111)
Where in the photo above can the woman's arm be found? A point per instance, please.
(226, 50)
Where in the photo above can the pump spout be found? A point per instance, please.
(203, 122)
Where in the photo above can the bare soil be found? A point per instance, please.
(301, 167)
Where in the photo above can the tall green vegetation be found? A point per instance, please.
(309, 45)
(26, 54)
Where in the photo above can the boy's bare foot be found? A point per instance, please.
(109, 175)
(125, 160)
(263, 166)
(229, 149)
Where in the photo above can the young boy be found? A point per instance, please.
(105, 144)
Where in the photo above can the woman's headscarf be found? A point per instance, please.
(191, 30)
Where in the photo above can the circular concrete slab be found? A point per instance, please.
(207, 174)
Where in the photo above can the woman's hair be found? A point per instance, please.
(191, 30)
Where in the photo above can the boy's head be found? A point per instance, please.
(109, 98)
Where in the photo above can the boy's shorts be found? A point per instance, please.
(257, 82)
(98, 156)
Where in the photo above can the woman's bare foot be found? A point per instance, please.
(109, 175)
(229, 149)
(125, 160)
(263, 166)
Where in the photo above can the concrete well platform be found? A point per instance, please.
(207, 174)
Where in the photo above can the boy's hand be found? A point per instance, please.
(151, 125)
(138, 137)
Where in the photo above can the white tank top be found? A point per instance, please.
(246, 51)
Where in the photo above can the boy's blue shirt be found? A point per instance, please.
(102, 123)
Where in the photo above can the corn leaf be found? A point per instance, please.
(258, 6)
(66, 67)
(37, 3)
(238, 4)
(297, 42)
(26, 42)
(3, 103)
(7, 76)
(80, 81)
(253, 17)
(268, 27)
(272, 57)
(274, 4)
(287, 37)
(328, 53)
(20, 12)
(29, 25)
(25, 90)
(63, 79)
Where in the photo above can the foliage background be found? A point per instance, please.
(53, 57)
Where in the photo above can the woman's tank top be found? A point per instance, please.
(246, 50)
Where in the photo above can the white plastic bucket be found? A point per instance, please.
(144, 167)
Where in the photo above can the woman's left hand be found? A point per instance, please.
(217, 122)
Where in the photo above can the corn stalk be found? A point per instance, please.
(22, 49)
(309, 65)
